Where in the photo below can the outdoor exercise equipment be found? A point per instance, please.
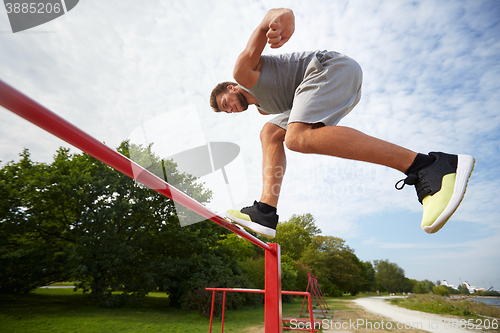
(23, 106)
(311, 322)
(312, 282)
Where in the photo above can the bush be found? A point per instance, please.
(441, 290)
(254, 269)
(288, 280)
(201, 300)
(302, 276)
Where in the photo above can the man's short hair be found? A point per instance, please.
(219, 89)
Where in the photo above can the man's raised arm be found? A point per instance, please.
(275, 29)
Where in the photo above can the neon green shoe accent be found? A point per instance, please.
(239, 215)
(435, 204)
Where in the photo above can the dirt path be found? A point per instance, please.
(374, 314)
(409, 318)
(354, 318)
(350, 317)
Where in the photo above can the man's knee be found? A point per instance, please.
(299, 136)
(296, 143)
(295, 138)
(271, 133)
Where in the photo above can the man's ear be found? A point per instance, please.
(230, 87)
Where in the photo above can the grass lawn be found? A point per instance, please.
(63, 310)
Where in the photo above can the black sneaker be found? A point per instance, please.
(440, 187)
(253, 219)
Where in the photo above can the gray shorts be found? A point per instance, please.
(330, 90)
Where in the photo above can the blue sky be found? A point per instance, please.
(431, 82)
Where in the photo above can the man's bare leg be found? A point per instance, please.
(347, 143)
(440, 182)
(261, 217)
(336, 141)
(273, 162)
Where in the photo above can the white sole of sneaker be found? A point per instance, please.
(255, 227)
(464, 170)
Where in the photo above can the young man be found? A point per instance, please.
(311, 92)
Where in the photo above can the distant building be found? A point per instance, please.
(472, 289)
(445, 283)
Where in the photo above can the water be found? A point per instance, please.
(490, 301)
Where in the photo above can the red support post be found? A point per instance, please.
(320, 293)
(223, 308)
(307, 289)
(311, 313)
(273, 308)
(315, 288)
(212, 311)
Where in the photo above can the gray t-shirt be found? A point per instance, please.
(279, 77)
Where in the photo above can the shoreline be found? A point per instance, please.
(471, 297)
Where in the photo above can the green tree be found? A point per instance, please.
(422, 287)
(295, 234)
(367, 272)
(334, 262)
(428, 285)
(293, 239)
(78, 218)
(463, 290)
(238, 248)
(307, 222)
(30, 254)
(289, 274)
(441, 290)
(390, 277)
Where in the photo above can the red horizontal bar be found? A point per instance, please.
(37, 114)
(302, 293)
(259, 291)
(238, 290)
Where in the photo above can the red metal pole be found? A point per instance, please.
(37, 114)
(311, 314)
(321, 295)
(223, 308)
(273, 308)
(212, 311)
(307, 288)
(314, 288)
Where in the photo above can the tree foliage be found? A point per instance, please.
(334, 262)
(441, 290)
(391, 278)
(78, 219)
(307, 222)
